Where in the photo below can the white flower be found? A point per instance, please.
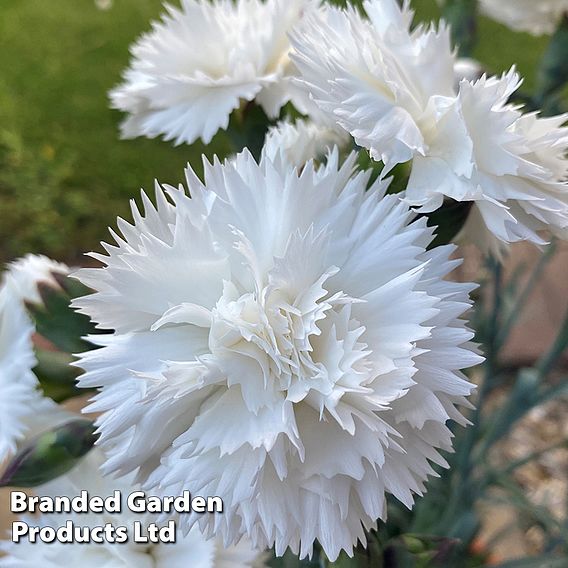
(537, 17)
(282, 340)
(511, 165)
(303, 140)
(29, 271)
(24, 411)
(196, 66)
(17, 381)
(189, 550)
(393, 90)
(375, 77)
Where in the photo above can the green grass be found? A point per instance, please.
(64, 173)
(58, 60)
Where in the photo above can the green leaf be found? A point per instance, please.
(553, 71)
(549, 360)
(449, 220)
(286, 561)
(522, 398)
(247, 128)
(50, 455)
(289, 560)
(399, 175)
(532, 512)
(358, 561)
(532, 456)
(462, 17)
(57, 321)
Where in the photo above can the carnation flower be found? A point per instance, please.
(283, 340)
(393, 90)
(188, 550)
(196, 66)
(29, 271)
(24, 411)
(303, 140)
(375, 77)
(512, 166)
(537, 17)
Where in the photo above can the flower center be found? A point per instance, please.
(306, 346)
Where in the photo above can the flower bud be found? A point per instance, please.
(50, 455)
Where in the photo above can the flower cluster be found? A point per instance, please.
(283, 332)
(392, 87)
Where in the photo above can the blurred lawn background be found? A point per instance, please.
(64, 173)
